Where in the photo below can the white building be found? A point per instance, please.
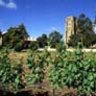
(31, 39)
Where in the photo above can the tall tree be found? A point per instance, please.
(14, 36)
(42, 41)
(84, 24)
(54, 38)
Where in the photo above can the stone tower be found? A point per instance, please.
(94, 25)
(71, 27)
(0, 39)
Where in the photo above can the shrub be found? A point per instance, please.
(9, 78)
(56, 73)
(36, 66)
(76, 72)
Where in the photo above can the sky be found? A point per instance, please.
(42, 16)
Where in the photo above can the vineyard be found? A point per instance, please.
(61, 74)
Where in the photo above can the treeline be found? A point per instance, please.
(85, 32)
(17, 38)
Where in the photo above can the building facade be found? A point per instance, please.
(71, 27)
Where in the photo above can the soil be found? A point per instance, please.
(23, 93)
(29, 93)
(38, 92)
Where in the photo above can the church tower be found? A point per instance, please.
(0, 39)
(71, 27)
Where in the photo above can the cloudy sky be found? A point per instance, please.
(42, 16)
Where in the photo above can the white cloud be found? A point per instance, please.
(2, 3)
(10, 4)
(54, 28)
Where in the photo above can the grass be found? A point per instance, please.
(17, 57)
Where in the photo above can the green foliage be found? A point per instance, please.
(34, 45)
(42, 41)
(56, 73)
(74, 40)
(14, 36)
(18, 47)
(9, 78)
(76, 72)
(4, 68)
(36, 66)
(54, 38)
(36, 75)
(80, 73)
(71, 69)
(84, 24)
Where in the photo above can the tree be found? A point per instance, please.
(74, 39)
(14, 36)
(0, 33)
(84, 24)
(21, 28)
(54, 37)
(84, 33)
(18, 47)
(42, 41)
(87, 39)
(33, 45)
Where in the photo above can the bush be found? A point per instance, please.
(77, 72)
(9, 78)
(37, 67)
(56, 73)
